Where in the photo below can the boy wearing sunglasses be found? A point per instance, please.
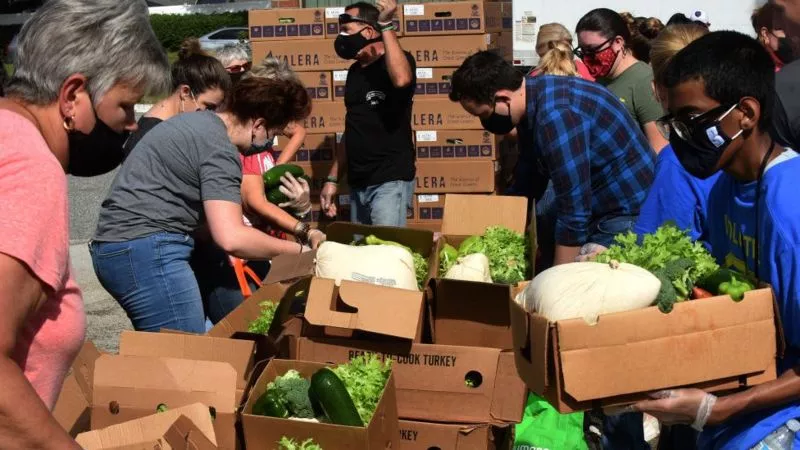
(721, 97)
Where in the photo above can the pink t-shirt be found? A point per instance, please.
(34, 225)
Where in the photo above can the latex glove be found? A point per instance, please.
(316, 237)
(326, 199)
(589, 252)
(680, 406)
(387, 10)
(298, 192)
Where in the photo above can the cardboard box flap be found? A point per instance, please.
(471, 313)
(466, 215)
(530, 334)
(377, 309)
(83, 367)
(143, 382)
(290, 267)
(150, 428)
(710, 339)
(419, 241)
(185, 434)
(238, 353)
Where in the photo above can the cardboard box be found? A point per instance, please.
(429, 208)
(457, 176)
(73, 407)
(456, 144)
(332, 21)
(305, 56)
(432, 380)
(433, 82)
(451, 51)
(326, 117)
(429, 435)
(433, 227)
(316, 147)
(714, 344)
(132, 387)
(286, 23)
(318, 172)
(240, 354)
(424, 19)
(442, 114)
(318, 84)
(339, 83)
(260, 431)
(188, 427)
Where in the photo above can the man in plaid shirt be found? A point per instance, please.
(573, 132)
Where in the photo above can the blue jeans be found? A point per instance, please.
(151, 279)
(383, 204)
(219, 287)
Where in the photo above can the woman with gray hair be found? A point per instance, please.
(236, 59)
(81, 67)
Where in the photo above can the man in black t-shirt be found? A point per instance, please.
(379, 151)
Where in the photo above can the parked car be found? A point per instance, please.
(222, 37)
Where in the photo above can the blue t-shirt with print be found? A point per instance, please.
(675, 196)
(731, 232)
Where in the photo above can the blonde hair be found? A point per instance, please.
(552, 32)
(558, 60)
(669, 42)
(274, 69)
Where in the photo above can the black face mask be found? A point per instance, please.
(347, 46)
(785, 50)
(700, 154)
(257, 148)
(96, 153)
(498, 123)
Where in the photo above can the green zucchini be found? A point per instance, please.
(270, 405)
(272, 177)
(329, 391)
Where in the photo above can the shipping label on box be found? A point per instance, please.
(332, 21)
(456, 144)
(433, 81)
(314, 55)
(458, 176)
(339, 83)
(316, 147)
(288, 23)
(451, 51)
(318, 84)
(442, 114)
(453, 18)
(326, 117)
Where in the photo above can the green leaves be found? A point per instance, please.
(365, 377)
(290, 444)
(262, 323)
(506, 250)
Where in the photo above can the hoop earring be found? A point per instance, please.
(69, 124)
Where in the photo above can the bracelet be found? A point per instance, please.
(387, 26)
(301, 248)
(332, 179)
(301, 232)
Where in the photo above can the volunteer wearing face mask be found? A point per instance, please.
(571, 131)
(786, 124)
(185, 174)
(199, 83)
(771, 36)
(81, 66)
(236, 59)
(603, 38)
(379, 154)
(721, 90)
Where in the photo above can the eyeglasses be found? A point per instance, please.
(684, 127)
(239, 68)
(581, 52)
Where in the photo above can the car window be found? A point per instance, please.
(232, 33)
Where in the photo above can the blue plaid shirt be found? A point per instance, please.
(579, 135)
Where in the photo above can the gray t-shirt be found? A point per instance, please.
(162, 185)
(786, 119)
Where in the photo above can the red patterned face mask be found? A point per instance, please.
(600, 63)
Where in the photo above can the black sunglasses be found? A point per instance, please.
(580, 52)
(684, 127)
(349, 18)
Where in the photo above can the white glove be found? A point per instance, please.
(298, 192)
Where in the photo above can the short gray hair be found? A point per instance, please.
(108, 41)
(273, 69)
(233, 52)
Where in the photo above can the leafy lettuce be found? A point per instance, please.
(506, 250)
(290, 444)
(262, 323)
(365, 377)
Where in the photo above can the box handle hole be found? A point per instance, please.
(213, 412)
(443, 14)
(113, 407)
(473, 379)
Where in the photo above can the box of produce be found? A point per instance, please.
(642, 318)
(416, 435)
(347, 407)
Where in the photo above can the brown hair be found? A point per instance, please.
(198, 70)
(764, 17)
(650, 28)
(277, 101)
(552, 32)
(558, 60)
(669, 42)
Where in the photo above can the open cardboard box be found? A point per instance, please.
(261, 433)
(188, 427)
(442, 383)
(131, 387)
(72, 409)
(429, 435)
(714, 344)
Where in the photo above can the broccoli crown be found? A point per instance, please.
(293, 390)
(675, 269)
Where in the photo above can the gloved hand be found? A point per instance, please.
(326, 198)
(589, 251)
(680, 406)
(316, 237)
(298, 192)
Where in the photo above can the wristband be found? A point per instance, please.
(301, 231)
(388, 26)
(332, 179)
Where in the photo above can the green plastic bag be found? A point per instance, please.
(544, 428)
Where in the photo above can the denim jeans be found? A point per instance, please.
(383, 204)
(151, 279)
(219, 287)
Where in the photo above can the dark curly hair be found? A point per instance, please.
(481, 76)
(278, 102)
